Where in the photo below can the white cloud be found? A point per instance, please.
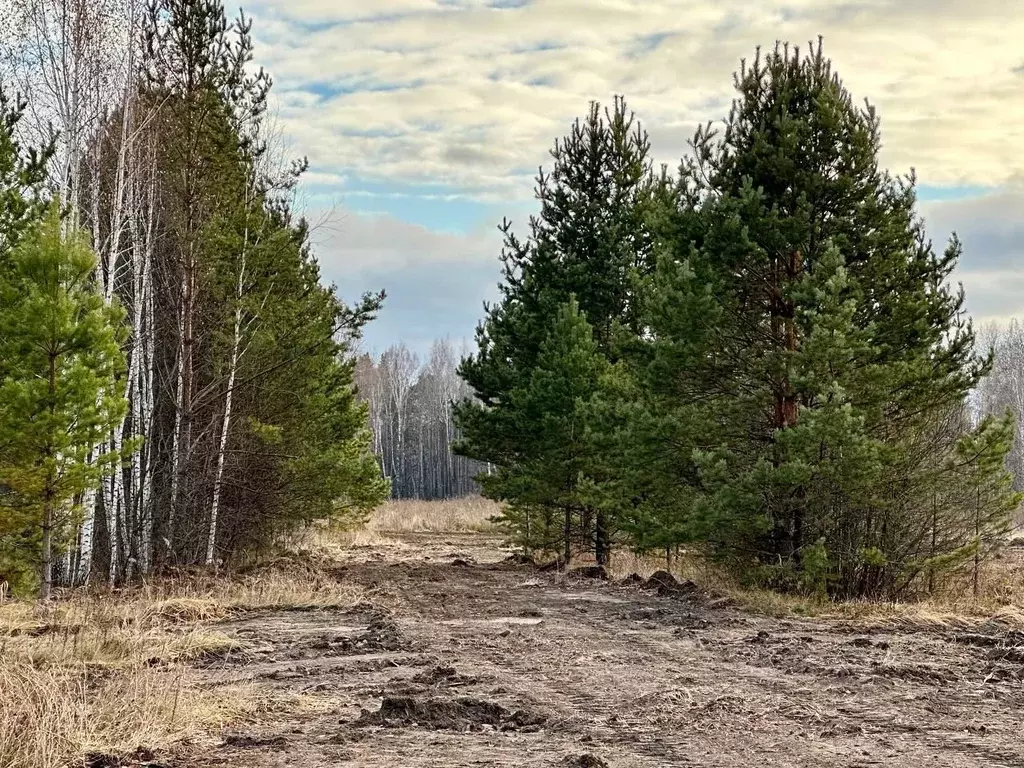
(350, 244)
(456, 98)
(473, 101)
(435, 282)
(991, 229)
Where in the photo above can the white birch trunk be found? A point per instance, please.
(178, 411)
(236, 343)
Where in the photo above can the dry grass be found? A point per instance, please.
(167, 620)
(107, 672)
(468, 514)
(50, 717)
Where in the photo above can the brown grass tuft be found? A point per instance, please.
(50, 717)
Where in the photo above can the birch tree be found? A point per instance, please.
(398, 366)
(232, 340)
(1003, 389)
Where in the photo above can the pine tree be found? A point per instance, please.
(22, 176)
(807, 343)
(545, 482)
(250, 417)
(61, 393)
(22, 202)
(301, 450)
(589, 241)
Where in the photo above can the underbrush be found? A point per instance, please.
(951, 602)
(107, 671)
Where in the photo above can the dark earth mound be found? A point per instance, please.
(461, 714)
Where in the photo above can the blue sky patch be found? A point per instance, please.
(927, 193)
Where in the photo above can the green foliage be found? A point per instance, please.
(785, 367)
(302, 432)
(22, 174)
(551, 411)
(590, 243)
(263, 348)
(61, 394)
(808, 353)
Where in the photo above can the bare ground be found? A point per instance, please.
(461, 659)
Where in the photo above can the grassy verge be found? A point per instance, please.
(108, 672)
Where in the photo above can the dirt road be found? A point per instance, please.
(460, 660)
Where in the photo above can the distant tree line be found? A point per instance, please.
(760, 357)
(1003, 389)
(176, 385)
(411, 417)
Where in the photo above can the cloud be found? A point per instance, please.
(435, 282)
(468, 93)
(349, 243)
(427, 119)
(991, 229)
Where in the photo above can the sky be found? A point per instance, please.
(425, 122)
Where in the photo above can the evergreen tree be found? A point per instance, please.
(22, 176)
(807, 343)
(301, 448)
(248, 404)
(545, 482)
(61, 393)
(589, 241)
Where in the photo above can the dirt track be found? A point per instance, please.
(486, 664)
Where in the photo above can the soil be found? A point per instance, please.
(463, 656)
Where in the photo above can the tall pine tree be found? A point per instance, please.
(589, 241)
(546, 483)
(807, 340)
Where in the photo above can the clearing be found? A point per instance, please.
(459, 657)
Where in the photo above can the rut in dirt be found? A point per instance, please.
(463, 658)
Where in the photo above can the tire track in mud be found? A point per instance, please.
(490, 664)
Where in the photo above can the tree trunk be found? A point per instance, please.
(46, 576)
(567, 538)
(46, 580)
(236, 343)
(601, 543)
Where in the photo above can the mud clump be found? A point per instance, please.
(633, 580)
(1014, 655)
(518, 558)
(381, 634)
(443, 676)
(245, 741)
(667, 584)
(462, 714)
(142, 757)
(1011, 639)
(590, 572)
(583, 761)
